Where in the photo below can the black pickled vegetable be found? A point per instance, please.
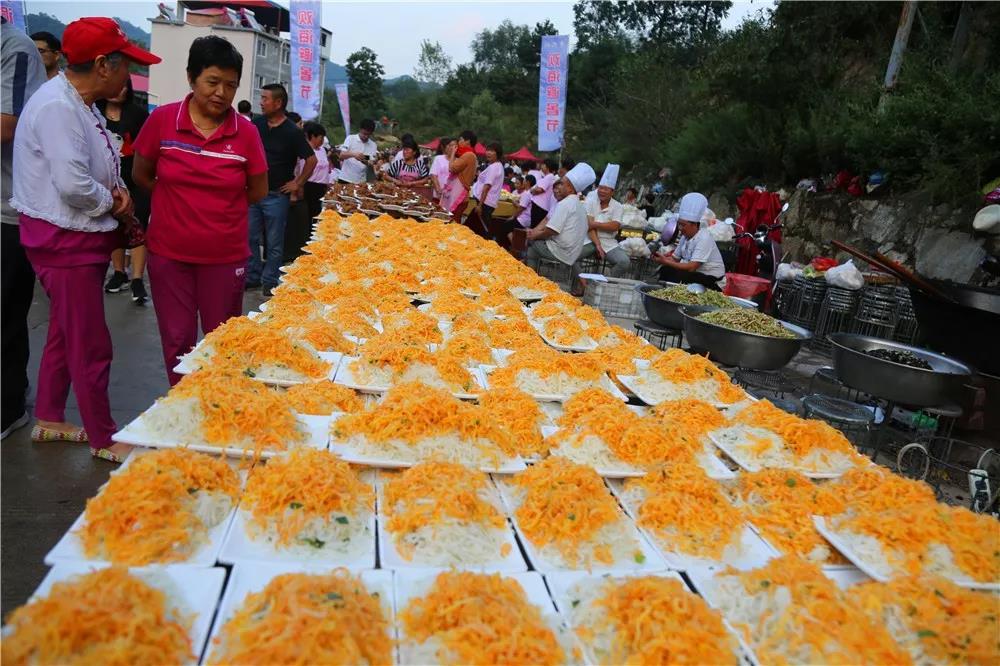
(900, 356)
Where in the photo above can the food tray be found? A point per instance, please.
(392, 559)
(651, 562)
(136, 434)
(586, 347)
(346, 377)
(756, 551)
(561, 585)
(185, 367)
(239, 548)
(195, 590)
(864, 565)
(247, 578)
(630, 383)
(606, 384)
(736, 454)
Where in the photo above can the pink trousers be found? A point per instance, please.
(183, 292)
(77, 351)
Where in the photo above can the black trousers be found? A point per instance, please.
(313, 193)
(671, 274)
(17, 286)
(537, 214)
(297, 229)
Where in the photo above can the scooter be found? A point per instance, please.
(768, 249)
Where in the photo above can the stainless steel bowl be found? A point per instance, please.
(667, 313)
(915, 387)
(736, 348)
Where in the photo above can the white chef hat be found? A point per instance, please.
(582, 176)
(610, 177)
(692, 207)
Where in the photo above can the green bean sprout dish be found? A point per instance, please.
(748, 321)
(680, 294)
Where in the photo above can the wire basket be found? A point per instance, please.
(615, 298)
(556, 271)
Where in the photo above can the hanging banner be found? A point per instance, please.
(307, 88)
(553, 73)
(345, 106)
(13, 13)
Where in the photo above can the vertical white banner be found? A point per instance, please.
(307, 88)
(553, 72)
(345, 106)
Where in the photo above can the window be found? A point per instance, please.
(322, 38)
(262, 48)
(285, 55)
(260, 82)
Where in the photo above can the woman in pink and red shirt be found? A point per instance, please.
(204, 164)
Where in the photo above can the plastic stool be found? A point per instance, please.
(660, 336)
(850, 418)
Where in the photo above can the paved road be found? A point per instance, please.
(44, 487)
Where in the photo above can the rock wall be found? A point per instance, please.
(935, 240)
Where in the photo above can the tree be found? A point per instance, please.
(499, 48)
(675, 23)
(433, 65)
(365, 75)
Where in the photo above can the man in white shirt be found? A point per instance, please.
(560, 236)
(604, 219)
(357, 152)
(697, 257)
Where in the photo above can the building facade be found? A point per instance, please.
(266, 53)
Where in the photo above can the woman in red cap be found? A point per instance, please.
(205, 165)
(74, 207)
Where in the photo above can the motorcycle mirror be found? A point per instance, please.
(784, 207)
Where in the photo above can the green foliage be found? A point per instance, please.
(433, 65)
(365, 75)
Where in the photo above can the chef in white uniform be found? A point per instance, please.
(604, 219)
(561, 234)
(697, 257)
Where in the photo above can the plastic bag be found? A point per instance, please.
(787, 272)
(845, 276)
(635, 247)
(721, 232)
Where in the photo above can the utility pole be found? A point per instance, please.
(898, 48)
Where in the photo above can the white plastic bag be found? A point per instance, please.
(721, 232)
(787, 272)
(845, 276)
(635, 247)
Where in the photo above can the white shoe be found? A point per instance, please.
(19, 422)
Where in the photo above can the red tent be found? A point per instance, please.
(432, 145)
(523, 155)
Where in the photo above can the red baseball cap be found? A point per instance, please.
(86, 38)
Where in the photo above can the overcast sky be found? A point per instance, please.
(392, 29)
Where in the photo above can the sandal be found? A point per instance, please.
(106, 454)
(43, 434)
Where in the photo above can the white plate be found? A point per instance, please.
(346, 377)
(391, 558)
(755, 553)
(238, 547)
(561, 585)
(651, 562)
(847, 551)
(195, 590)
(137, 434)
(349, 453)
(605, 383)
(737, 457)
(247, 578)
(629, 382)
(530, 297)
(70, 549)
(185, 367)
(540, 327)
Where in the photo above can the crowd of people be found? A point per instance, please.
(212, 199)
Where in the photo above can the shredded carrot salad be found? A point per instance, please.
(800, 435)
(675, 365)
(237, 410)
(655, 620)
(781, 504)
(246, 345)
(688, 511)
(108, 616)
(565, 331)
(308, 619)
(820, 618)
(518, 412)
(413, 411)
(148, 512)
(290, 491)
(694, 417)
(947, 624)
(581, 404)
(547, 363)
(480, 619)
(412, 325)
(434, 492)
(565, 505)
(467, 349)
(513, 333)
(322, 398)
